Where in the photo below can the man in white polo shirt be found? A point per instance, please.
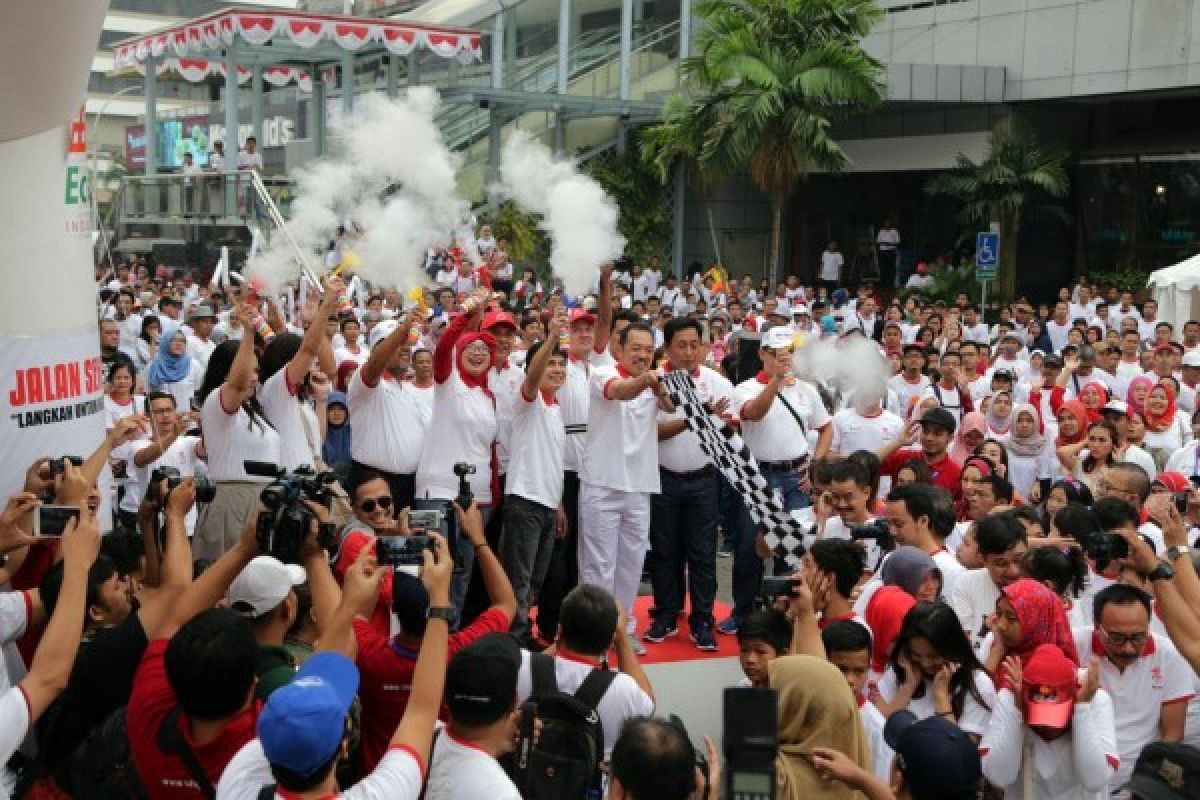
(683, 519)
(1149, 682)
(620, 468)
(390, 421)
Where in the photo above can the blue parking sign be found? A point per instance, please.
(987, 255)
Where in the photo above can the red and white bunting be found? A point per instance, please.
(195, 70)
(202, 36)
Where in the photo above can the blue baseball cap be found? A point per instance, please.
(937, 758)
(302, 724)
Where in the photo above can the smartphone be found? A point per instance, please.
(51, 521)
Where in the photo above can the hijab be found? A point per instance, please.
(480, 382)
(1140, 380)
(971, 421)
(885, 616)
(816, 709)
(1076, 409)
(166, 367)
(1042, 618)
(997, 424)
(908, 567)
(1031, 445)
(336, 448)
(1094, 414)
(1160, 422)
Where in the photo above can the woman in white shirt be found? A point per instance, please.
(1030, 451)
(147, 343)
(1167, 430)
(236, 430)
(933, 671)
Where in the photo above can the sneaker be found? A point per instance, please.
(638, 648)
(702, 635)
(728, 628)
(659, 631)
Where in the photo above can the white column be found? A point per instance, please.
(685, 29)
(677, 220)
(151, 115)
(231, 129)
(347, 84)
(495, 123)
(256, 103)
(393, 75)
(499, 42)
(626, 46)
(564, 45)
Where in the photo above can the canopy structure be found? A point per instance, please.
(276, 48)
(1177, 291)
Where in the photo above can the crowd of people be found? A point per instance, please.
(997, 594)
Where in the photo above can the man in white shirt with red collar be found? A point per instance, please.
(620, 468)
(909, 383)
(1149, 682)
(864, 424)
(683, 519)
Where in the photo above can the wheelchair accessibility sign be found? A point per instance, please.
(987, 255)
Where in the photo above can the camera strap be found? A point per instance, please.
(172, 742)
(795, 416)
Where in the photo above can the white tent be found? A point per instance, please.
(1177, 291)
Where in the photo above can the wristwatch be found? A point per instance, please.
(1177, 550)
(1163, 572)
(440, 612)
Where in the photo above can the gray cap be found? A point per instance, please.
(201, 311)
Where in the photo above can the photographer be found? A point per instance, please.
(169, 446)
(302, 728)
(653, 759)
(387, 664)
(844, 507)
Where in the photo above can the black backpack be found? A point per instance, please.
(564, 762)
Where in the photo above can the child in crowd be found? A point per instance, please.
(848, 647)
(763, 637)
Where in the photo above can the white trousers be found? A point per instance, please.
(614, 529)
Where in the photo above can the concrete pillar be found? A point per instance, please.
(564, 45)
(414, 68)
(626, 46)
(393, 75)
(316, 112)
(499, 42)
(560, 133)
(151, 83)
(347, 84)
(231, 129)
(685, 29)
(256, 103)
(495, 123)
(680, 191)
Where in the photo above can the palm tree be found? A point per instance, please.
(770, 79)
(1018, 176)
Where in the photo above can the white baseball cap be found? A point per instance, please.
(1191, 358)
(778, 338)
(262, 585)
(782, 310)
(381, 331)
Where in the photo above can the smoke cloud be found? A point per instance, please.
(852, 366)
(577, 214)
(394, 180)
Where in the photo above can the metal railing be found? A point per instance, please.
(198, 198)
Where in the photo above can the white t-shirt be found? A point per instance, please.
(831, 266)
(974, 717)
(622, 437)
(777, 436)
(1171, 439)
(459, 770)
(390, 422)
(505, 385)
(573, 399)
(881, 755)
(290, 417)
(183, 390)
(200, 350)
(182, 456)
(14, 725)
(854, 431)
(463, 428)
(624, 698)
(949, 399)
(397, 776)
(973, 598)
(907, 393)
(231, 438)
(1058, 333)
(1160, 677)
(682, 453)
(535, 471)
(114, 412)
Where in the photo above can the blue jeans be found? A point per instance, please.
(747, 564)
(464, 561)
(683, 535)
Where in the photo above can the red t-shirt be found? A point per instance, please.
(385, 678)
(165, 777)
(947, 473)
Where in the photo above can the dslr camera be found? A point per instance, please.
(402, 551)
(776, 586)
(284, 523)
(462, 469)
(205, 491)
(1102, 547)
(878, 531)
(58, 466)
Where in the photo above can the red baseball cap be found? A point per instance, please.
(494, 319)
(1049, 686)
(1173, 481)
(580, 315)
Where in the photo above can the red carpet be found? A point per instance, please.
(680, 647)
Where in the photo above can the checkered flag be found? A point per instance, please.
(729, 453)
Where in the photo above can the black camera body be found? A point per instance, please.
(462, 469)
(750, 740)
(1102, 547)
(284, 523)
(876, 530)
(205, 491)
(776, 586)
(58, 466)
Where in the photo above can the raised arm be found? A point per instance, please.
(604, 309)
(536, 368)
(443, 354)
(314, 337)
(495, 580)
(51, 667)
(757, 407)
(175, 562)
(239, 383)
(335, 630)
(415, 730)
(385, 351)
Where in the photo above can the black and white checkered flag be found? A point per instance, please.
(729, 453)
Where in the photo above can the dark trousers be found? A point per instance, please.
(476, 599)
(748, 567)
(683, 534)
(403, 487)
(887, 268)
(525, 548)
(563, 573)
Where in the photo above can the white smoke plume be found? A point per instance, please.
(852, 366)
(580, 218)
(394, 179)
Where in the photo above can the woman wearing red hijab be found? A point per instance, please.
(1166, 430)
(1028, 614)
(885, 616)
(462, 429)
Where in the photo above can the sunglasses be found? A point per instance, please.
(369, 504)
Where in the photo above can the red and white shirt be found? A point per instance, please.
(622, 437)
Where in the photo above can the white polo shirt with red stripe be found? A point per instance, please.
(622, 437)
(1160, 677)
(535, 471)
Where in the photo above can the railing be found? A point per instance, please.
(202, 197)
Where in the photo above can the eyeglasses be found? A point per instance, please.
(369, 504)
(1138, 640)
